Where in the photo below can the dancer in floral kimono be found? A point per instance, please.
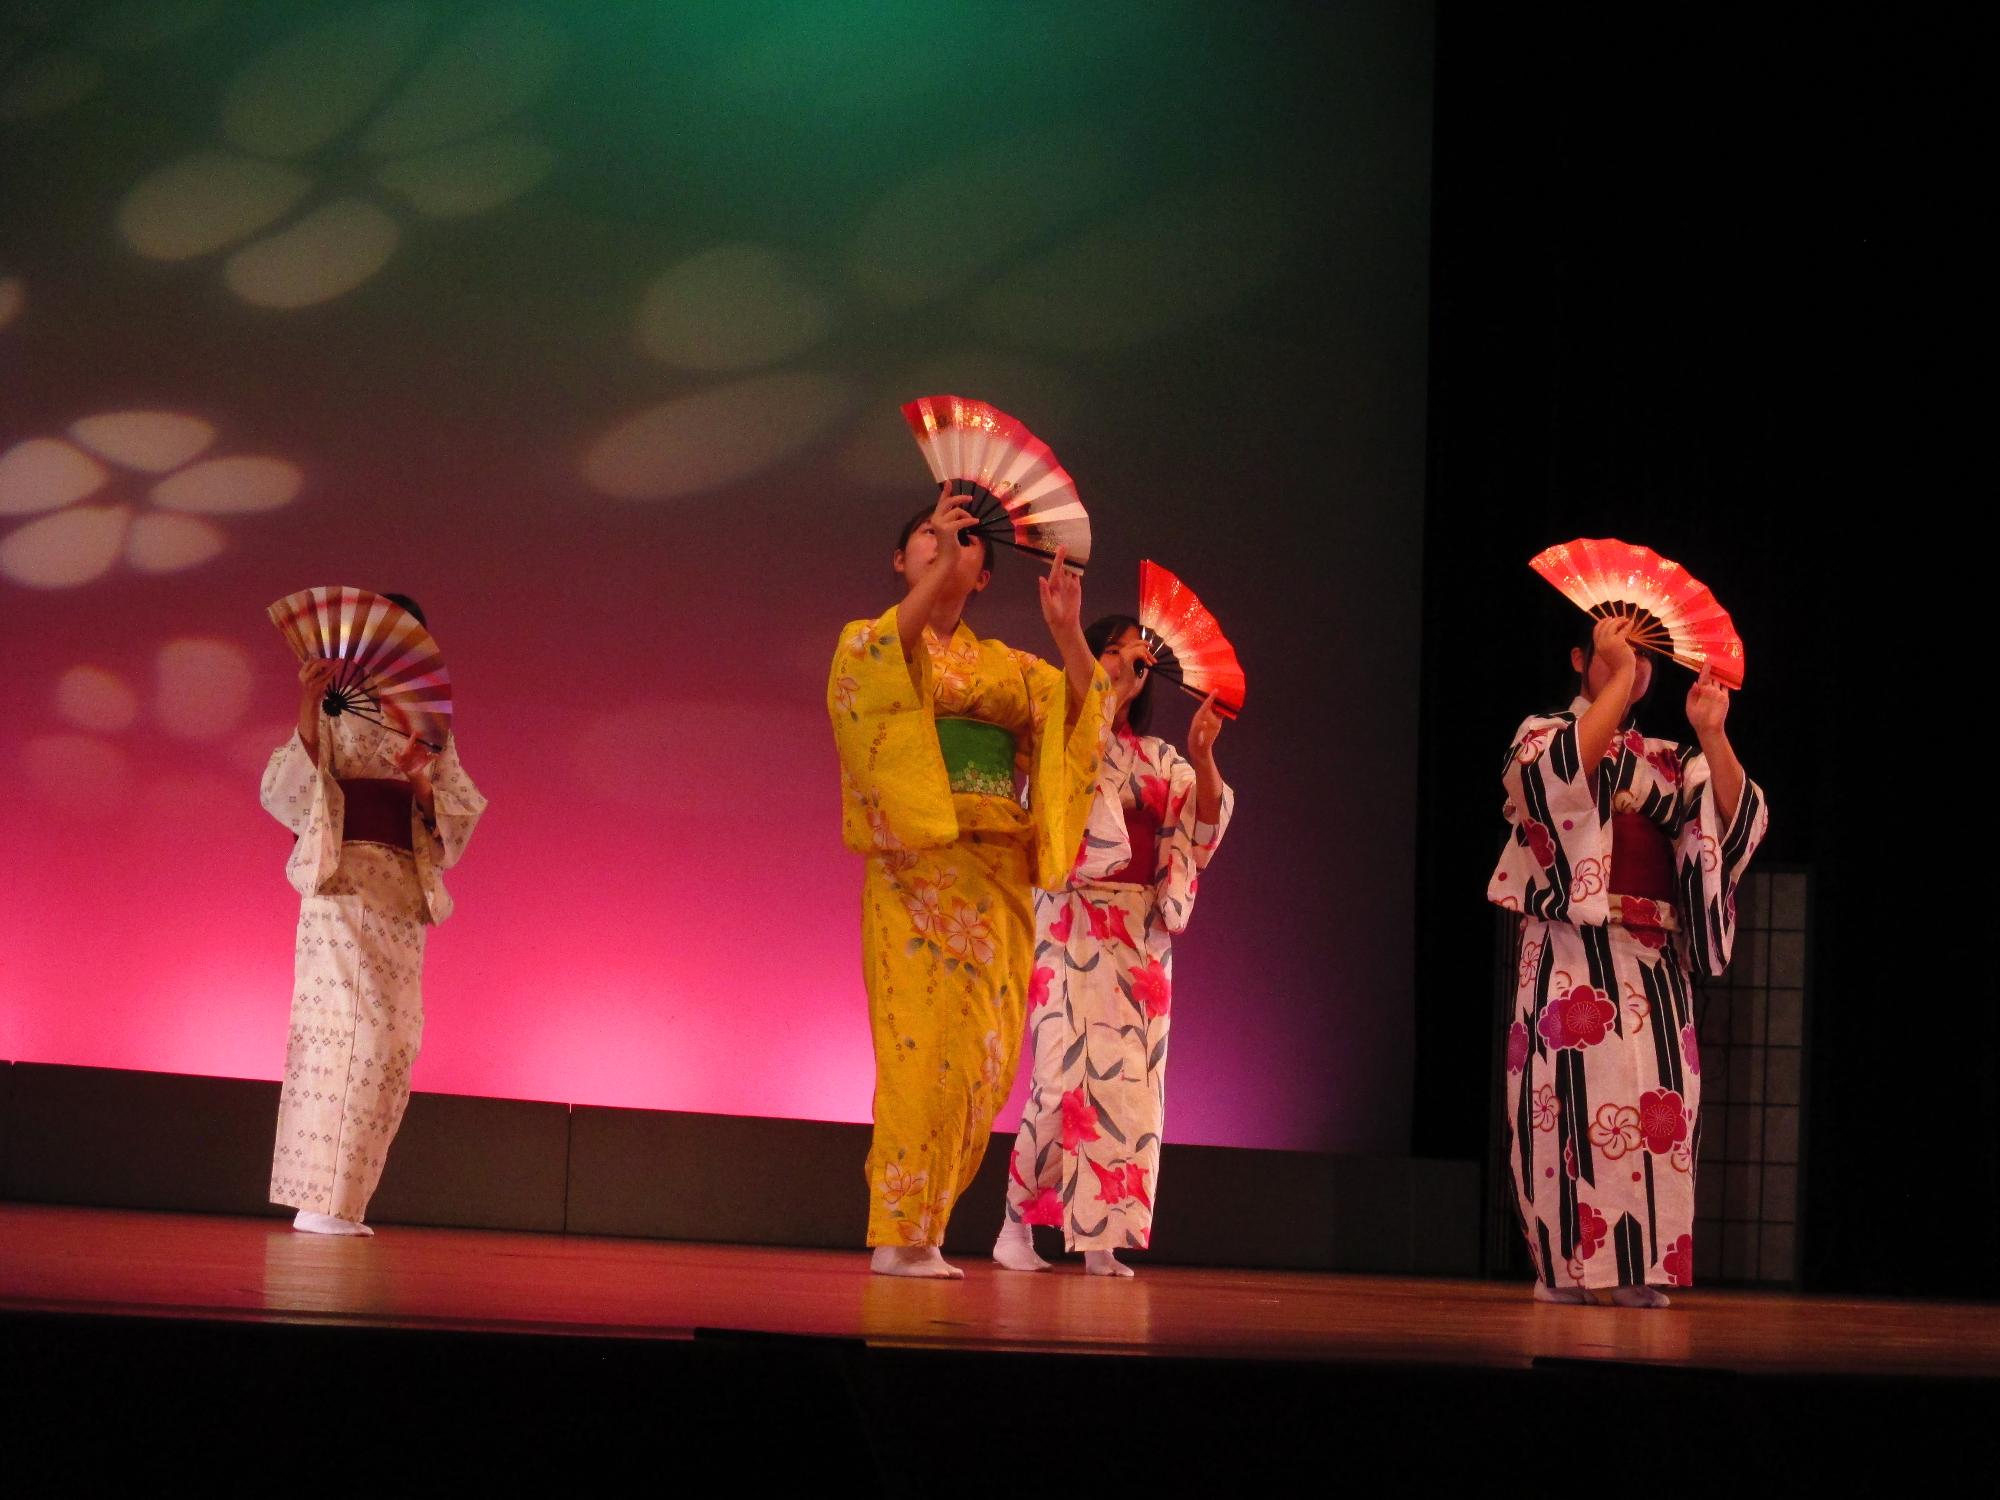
(1623, 860)
(378, 819)
(936, 729)
(1087, 1157)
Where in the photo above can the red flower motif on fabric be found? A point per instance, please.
(1517, 1047)
(1667, 765)
(1079, 1120)
(1590, 1230)
(1678, 1262)
(1110, 1183)
(1586, 880)
(1631, 741)
(1152, 794)
(1044, 1208)
(1547, 1109)
(1541, 843)
(1014, 1166)
(1153, 987)
(1662, 1120)
(1578, 1019)
(1616, 1130)
(1643, 920)
(1100, 924)
(1038, 987)
(1114, 922)
(1530, 746)
(1691, 1050)
(1177, 807)
(1059, 928)
(1569, 1160)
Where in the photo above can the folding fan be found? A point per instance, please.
(391, 672)
(1189, 649)
(1673, 613)
(1008, 476)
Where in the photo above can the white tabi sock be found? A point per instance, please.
(913, 1260)
(1569, 1295)
(1015, 1249)
(1104, 1263)
(313, 1223)
(1639, 1296)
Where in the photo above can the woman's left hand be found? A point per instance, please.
(1062, 596)
(1707, 706)
(1202, 730)
(414, 760)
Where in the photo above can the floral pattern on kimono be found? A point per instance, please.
(1087, 1156)
(1603, 1071)
(357, 998)
(947, 927)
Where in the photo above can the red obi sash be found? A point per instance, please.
(377, 811)
(1142, 833)
(1642, 858)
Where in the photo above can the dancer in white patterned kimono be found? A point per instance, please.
(1623, 860)
(379, 818)
(1087, 1156)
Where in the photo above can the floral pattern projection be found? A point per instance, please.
(947, 928)
(357, 1000)
(1603, 1071)
(144, 488)
(1088, 1154)
(418, 119)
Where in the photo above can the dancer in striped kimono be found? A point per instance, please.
(378, 819)
(1623, 860)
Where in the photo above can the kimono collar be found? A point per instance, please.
(954, 643)
(1579, 705)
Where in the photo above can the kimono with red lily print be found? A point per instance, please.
(947, 922)
(1087, 1157)
(1603, 1070)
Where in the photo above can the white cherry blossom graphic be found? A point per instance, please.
(141, 487)
(329, 138)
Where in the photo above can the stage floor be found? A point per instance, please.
(105, 1262)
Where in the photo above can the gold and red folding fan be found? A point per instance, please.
(1674, 614)
(1008, 476)
(1189, 648)
(390, 670)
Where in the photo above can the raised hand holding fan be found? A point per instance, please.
(390, 670)
(1008, 477)
(1673, 613)
(1189, 648)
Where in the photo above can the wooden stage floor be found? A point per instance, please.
(177, 1266)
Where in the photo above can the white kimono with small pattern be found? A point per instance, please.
(357, 995)
(1087, 1156)
(1603, 1069)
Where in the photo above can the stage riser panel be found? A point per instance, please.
(120, 1139)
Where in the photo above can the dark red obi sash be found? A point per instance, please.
(1142, 833)
(377, 811)
(1642, 858)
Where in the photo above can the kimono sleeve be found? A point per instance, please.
(1063, 759)
(456, 806)
(1553, 864)
(306, 799)
(1709, 860)
(895, 792)
(1186, 843)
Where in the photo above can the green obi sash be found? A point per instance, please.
(978, 757)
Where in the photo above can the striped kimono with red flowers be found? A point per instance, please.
(1087, 1157)
(1603, 1071)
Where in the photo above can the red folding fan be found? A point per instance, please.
(1189, 649)
(390, 670)
(1674, 614)
(1008, 476)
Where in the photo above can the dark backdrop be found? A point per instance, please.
(1669, 304)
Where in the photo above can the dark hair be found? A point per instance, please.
(909, 526)
(404, 601)
(1100, 634)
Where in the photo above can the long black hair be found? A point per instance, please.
(1100, 634)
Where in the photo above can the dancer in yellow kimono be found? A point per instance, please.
(937, 731)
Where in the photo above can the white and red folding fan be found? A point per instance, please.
(1008, 476)
(391, 672)
(1674, 614)
(1189, 648)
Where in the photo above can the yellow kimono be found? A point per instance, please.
(931, 752)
